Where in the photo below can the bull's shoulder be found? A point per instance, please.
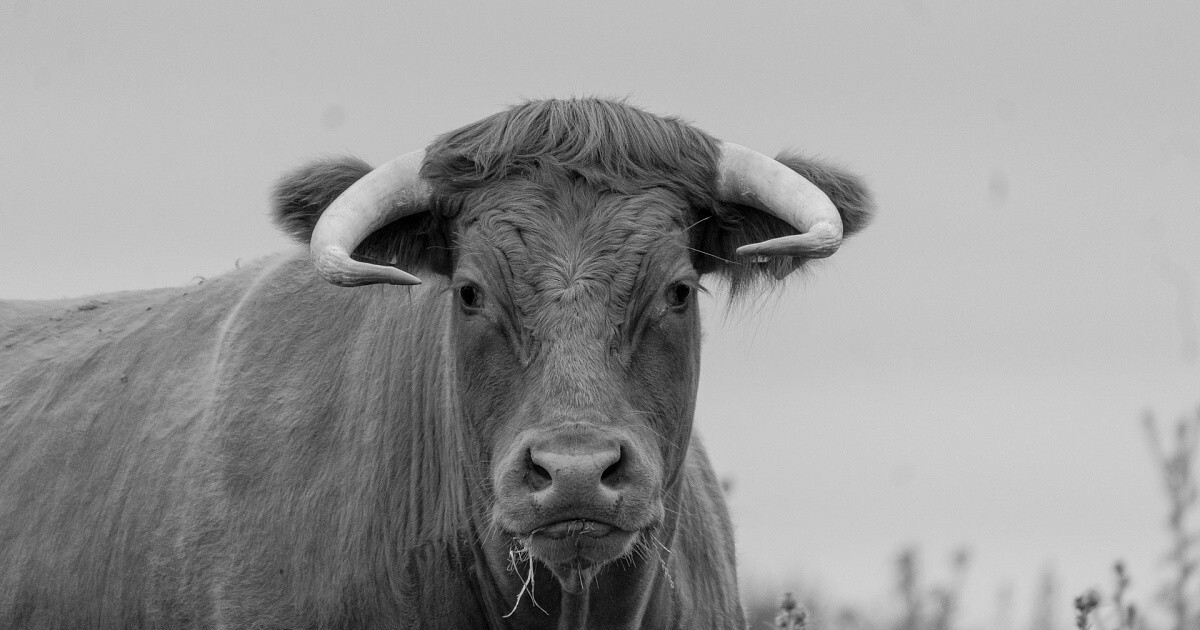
(50, 347)
(43, 328)
(34, 320)
(18, 315)
(101, 401)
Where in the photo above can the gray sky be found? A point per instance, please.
(970, 371)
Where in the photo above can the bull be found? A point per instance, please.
(493, 430)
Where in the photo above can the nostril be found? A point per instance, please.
(612, 474)
(536, 477)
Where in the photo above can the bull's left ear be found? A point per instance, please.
(734, 225)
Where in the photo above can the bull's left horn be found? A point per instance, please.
(750, 178)
(393, 190)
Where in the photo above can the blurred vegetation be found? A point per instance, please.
(919, 605)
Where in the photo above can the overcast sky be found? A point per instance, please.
(969, 371)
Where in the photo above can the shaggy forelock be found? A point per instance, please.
(607, 143)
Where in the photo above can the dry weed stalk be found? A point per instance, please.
(792, 616)
(909, 584)
(1045, 602)
(663, 553)
(1090, 609)
(1176, 467)
(937, 608)
(517, 554)
(1126, 613)
(946, 598)
(1085, 605)
(1175, 458)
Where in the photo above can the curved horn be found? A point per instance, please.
(750, 178)
(393, 190)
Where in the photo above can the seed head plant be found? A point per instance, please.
(1176, 465)
(922, 607)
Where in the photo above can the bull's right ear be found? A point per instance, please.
(418, 241)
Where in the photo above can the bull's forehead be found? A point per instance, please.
(573, 259)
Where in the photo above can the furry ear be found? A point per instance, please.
(415, 242)
(733, 225)
(303, 194)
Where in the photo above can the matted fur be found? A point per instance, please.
(268, 450)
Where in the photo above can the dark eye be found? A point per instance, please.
(471, 296)
(678, 294)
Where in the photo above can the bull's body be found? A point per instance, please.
(507, 445)
(161, 461)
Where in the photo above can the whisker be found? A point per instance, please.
(697, 223)
(724, 260)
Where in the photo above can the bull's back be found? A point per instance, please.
(101, 400)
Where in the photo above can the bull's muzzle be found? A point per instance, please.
(577, 495)
(562, 473)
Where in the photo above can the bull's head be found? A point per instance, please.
(571, 237)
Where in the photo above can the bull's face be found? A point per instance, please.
(577, 343)
(576, 230)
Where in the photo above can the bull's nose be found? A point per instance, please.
(576, 476)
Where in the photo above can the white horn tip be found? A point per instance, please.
(821, 241)
(336, 267)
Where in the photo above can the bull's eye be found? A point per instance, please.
(471, 297)
(678, 294)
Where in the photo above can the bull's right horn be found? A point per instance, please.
(750, 178)
(393, 190)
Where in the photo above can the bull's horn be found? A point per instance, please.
(750, 178)
(391, 191)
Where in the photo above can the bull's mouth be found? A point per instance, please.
(575, 550)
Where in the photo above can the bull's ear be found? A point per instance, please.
(417, 241)
(734, 225)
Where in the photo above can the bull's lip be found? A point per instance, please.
(574, 550)
(575, 527)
